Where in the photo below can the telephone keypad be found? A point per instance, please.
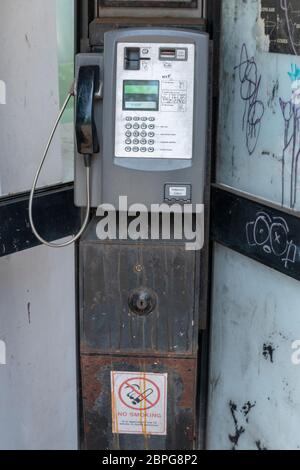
(142, 141)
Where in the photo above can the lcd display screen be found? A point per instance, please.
(141, 95)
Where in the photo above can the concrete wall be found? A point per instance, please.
(37, 324)
(254, 400)
(37, 311)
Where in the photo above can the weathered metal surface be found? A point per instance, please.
(97, 405)
(150, 3)
(139, 309)
(100, 25)
(114, 273)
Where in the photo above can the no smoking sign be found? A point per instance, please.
(139, 403)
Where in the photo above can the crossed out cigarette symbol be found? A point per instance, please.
(133, 395)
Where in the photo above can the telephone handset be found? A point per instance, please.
(87, 89)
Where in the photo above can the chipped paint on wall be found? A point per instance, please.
(254, 399)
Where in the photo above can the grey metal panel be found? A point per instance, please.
(148, 187)
(143, 185)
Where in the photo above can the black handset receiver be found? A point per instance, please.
(88, 88)
(88, 84)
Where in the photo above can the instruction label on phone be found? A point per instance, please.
(139, 403)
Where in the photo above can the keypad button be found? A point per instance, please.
(136, 141)
(128, 118)
(136, 126)
(128, 141)
(151, 134)
(151, 126)
(128, 134)
(151, 149)
(144, 126)
(143, 118)
(135, 149)
(151, 142)
(127, 149)
(136, 118)
(136, 134)
(143, 149)
(128, 126)
(144, 141)
(152, 119)
(143, 134)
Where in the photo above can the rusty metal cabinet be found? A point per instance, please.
(139, 310)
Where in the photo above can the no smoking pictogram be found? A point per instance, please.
(139, 393)
(139, 403)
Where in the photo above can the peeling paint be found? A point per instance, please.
(239, 430)
(268, 352)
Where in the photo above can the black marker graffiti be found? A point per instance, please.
(272, 235)
(249, 91)
(291, 149)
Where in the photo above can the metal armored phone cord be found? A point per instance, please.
(88, 199)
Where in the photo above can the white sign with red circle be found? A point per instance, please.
(139, 403)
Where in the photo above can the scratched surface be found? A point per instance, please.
(97, 404)
(115, 275)
(259, 138)
(254, 385)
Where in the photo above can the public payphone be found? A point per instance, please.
(153, 118)
(141, 127)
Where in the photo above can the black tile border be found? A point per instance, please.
(264, 232)
(54, 213)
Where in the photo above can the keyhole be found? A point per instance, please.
(142, 301)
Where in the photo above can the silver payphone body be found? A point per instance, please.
(152, 120)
